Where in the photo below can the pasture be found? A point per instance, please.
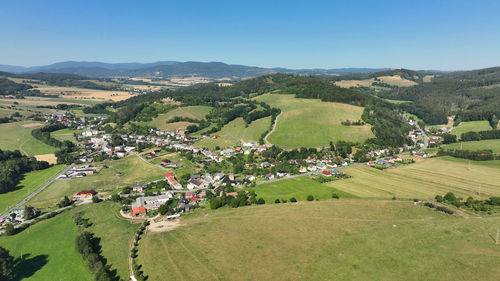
(236, 131)
(195, 112)
(313, 123)
(493, 145)
(28, 184)
(115, 233)
(49, 251)
(346, 239)
(65, 134)
(17, 135)
(424, 179)
(133, 170)
(470, 126)
(299, 187)
(84, 94)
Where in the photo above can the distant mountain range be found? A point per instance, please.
(169, 69)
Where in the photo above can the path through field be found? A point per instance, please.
(272, 130)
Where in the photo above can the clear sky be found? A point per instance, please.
(415, 34)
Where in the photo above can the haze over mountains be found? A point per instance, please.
(166, 69)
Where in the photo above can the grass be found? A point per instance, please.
(346, 239)
(17, 136)
(133, 170)
(313, 123)
(424, 179)
(494, 145)
(115, 233)
(195, 112)
(65, 134)
(31, 181)
(184, 166)
(471, 126)
(49, 251)
(299, 188)
(235, 131)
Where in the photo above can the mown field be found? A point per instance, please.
(346, 239)
(17, 135)
(184, 166)
(471, 126)
(313, 123)
(31, 181)
(133, 170)
(235, 131)
(299, 187)
(494, 145)
(115, 232)
(65, 134)
(195, 112)
(49, 251)
(424, 179)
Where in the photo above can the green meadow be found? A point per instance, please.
(471, 126)
(17, 136)
(493, 145)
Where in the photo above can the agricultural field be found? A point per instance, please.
(194, 112)
(132, 169)
(395, 80)
(313, 123)
(28, 184)
(236, 131)
(299, 187)
(115, 233)
(471, 126)
(48, 251)
(65, 134)
(84, 94)
(424, 179)
(17, 135)
(494, 145)
(346, 239)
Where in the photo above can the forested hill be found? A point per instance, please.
(492, 73)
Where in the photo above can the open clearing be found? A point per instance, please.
(494, 145)
(17, 135)
(235, 131)
(115, 233)
(50, 158)
(133, 170)
(313, 123)
(395, 80)
(31, 181)
(299, 187)
(194, 112)
(424, 179)
(471, 126)
(49, 251)
(346, 239)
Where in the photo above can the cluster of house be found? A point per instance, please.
(81, 171)
(16, 216)
(386, 161)
(68, 119)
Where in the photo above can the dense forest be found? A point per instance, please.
(12, 167)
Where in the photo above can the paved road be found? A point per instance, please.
(426, 138)
(26, 199)
(272, 130)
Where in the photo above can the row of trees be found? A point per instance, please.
(479, 155)
(12, 167)
(66, 148)
(482, 135)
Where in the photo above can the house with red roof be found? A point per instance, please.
(138, 211)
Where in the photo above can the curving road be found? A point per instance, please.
(272, 130)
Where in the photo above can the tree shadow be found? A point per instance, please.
(27, 266)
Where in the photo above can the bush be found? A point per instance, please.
(310, 198)
(277, 201)
(439, 198)
(393, 197)
(261, 201)
(293, 200)
(335, 196)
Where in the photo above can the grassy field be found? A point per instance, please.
(133, 170)
(49, 251)
(184, 166)
(17, 135)
(313, 123)
(31, 181)
(471, 126)
(235, 131)
(195, 112)
(476, 145)
(346, 239)
(65, 134)
(424, 179)
(115, 233)
(299, 188)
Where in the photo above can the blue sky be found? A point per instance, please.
(446, 35)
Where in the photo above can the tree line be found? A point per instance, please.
(12, 167)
